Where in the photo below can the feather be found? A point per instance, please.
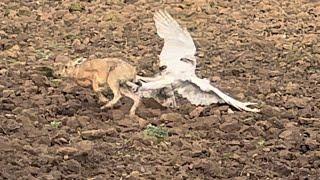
(178, 42)
(205, 86)
(195, 95)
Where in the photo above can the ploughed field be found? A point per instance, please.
(259, 51)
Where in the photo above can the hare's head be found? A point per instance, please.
(67, 69)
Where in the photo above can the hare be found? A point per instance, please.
(99, 73)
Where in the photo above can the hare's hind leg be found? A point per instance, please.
(96, 88)
(115, 88)
(134, 97)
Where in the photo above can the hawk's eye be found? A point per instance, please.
(161, 68)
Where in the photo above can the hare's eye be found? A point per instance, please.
(65, 67)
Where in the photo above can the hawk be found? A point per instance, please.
(178, 56)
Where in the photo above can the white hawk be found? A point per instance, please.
(178, 56)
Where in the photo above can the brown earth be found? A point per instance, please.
(261, 51)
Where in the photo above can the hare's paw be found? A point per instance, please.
(103, 99)
(108, 105)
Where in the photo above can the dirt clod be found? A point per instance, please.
(230, 127)
(93, 134)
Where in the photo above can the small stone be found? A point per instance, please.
(13, 52)
(61, 59)
(271, 111)
(215, 78)
(86, 41)
(230, 127)
(126, 122)
(40, 80)
(234, 142)
(76, 7)
(93, 134)
(290, 134)
(235, 156)
(17, 110)
(78, 46)
(169, 117)
(149, 112)
(47, 177)
(130, 1)
(83, 120)
(230, 111)
(313, 144)
(76, 43)
(142, 122)
(266, 149)
(223, 108)
(134, 174)
(285, 154)
(316, 154)
(73, 122)
(240, 178)
(292, 87)
(68, 88)
(67, 150)
(314, 76)
(117, 114)
(31, 114)
(241, 96)
(3, 72)
(111, 132)
(72, 166)
(286, 134)
(10, 116)
(300, 102)
(196, 112)
(84, 146)
(2, 87)
(8, 93)
(11, 125)
(56, 174)
(290, 125)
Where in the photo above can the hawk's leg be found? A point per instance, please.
(134, 87)
(173, 97)
(148, 79)
(157, 84)
(170, 100)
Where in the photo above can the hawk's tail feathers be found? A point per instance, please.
(205, 85)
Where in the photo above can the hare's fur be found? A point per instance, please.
(100, 73)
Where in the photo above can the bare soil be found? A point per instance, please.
(261, 51)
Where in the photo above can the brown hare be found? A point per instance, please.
(100, 73)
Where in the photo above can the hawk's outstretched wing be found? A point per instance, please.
(178, 42)
(201, 92)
